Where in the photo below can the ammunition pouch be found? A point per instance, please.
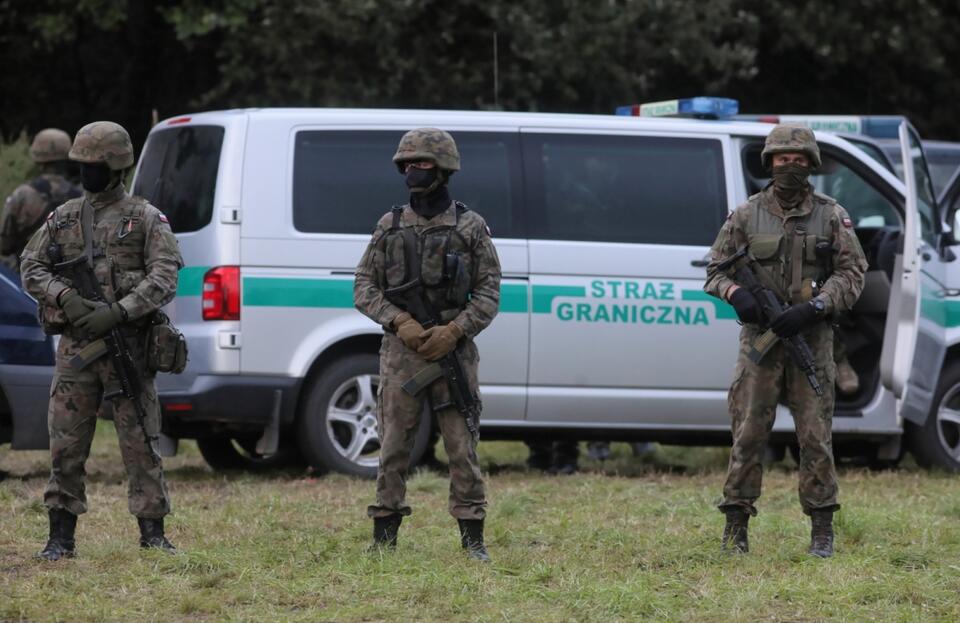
(166, 346)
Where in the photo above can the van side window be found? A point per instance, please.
(865, 204)
(178, 174)
(343, 181)
(615, 188)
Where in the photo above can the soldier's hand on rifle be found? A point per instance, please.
(440, 341)
(794, 319)
(408, 330)
(101, 319)
(75, 306)
(745, 305)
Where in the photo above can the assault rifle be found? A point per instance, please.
(80, 273)
(411, 297)
(741, 268)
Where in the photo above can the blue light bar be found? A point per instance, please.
(696, 107)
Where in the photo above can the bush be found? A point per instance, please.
(15, 165)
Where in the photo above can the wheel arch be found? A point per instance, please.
(362, 343)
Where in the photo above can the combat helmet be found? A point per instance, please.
(103, 142)
(791, 137)
(50, 145)
(430, 144)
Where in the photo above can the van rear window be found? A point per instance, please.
(614, 188)
(344, 181)
(178, 174)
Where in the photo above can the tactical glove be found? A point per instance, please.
(75, 306)
(408, 330)
(745, 305)
(101, 319)
(440, 341)
(794, 319)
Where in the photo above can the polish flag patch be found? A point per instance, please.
(163, 218)
(847, 223)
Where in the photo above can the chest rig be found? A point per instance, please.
(112, 244)
(438, 259)
(795, 252)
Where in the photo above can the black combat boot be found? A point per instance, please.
(385, 531)
(821, 533)
(471, 539)
(735, 532)
(151, 535)
(63, 525)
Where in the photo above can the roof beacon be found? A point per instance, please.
(696, 107)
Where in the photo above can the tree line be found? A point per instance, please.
(67, 62)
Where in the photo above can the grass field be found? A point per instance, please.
(629, 540)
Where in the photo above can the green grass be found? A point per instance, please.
(633, 539)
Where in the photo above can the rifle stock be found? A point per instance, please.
(740, 268)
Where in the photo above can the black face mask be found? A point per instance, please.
(420, 180)
(790, 184)
(95, 177)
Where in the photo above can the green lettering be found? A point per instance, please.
(621, 313)
(614, 287)
(664, 315)
(682, 315)
(583, 312)
(631, 290)
(645, 317)
(649, 291)
(666, 291)
(602, 313)
(700, 316)
(565, 311)
(596, 289)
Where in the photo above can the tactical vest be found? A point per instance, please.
(795, 253)
(117, 254)
(439, 257)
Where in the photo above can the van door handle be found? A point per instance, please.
(700, 263)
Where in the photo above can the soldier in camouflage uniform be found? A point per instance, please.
(29, 204)
(783, 226)
(136, 260)
(466, 302)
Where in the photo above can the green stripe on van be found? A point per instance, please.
(543, 296)
(286, 292)
(724, 311)
(190, 281)
(513, 298)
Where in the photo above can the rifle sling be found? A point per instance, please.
(86, 228)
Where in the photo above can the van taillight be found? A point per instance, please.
(221, 293)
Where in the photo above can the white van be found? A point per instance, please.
(603, 226)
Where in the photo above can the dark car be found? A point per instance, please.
(26, 368)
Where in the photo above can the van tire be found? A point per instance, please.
(931, 443)
(326, 443)
(225, 453)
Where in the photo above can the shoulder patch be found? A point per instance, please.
(163, 218)
(847, 222)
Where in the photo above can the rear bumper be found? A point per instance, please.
(227, 403)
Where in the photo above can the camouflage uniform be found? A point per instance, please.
(770, 231)
(29, 204)
(440, 228)
(398, 412)
(136, 260)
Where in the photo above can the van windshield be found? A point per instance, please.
(178, 174)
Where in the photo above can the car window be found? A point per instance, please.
(178, 174)
(344, 181)
(625, 188)
(867, 206)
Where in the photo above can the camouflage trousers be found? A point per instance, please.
(75, 397)
(753, 398)
(398, 416)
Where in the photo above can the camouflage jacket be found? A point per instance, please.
(135, 255)
(27, 207)
(769, 231)
(378, 267)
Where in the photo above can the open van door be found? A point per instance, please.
(900, 332)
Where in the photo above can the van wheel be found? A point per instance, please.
(338, 422)
(937, 442)
(240, 453)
